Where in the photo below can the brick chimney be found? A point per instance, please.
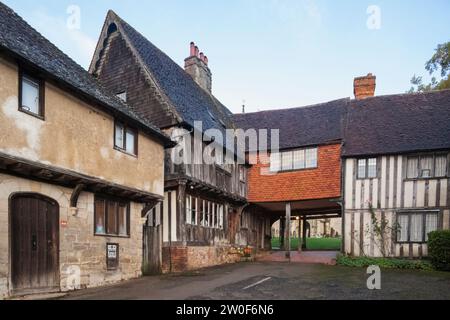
(197, 67)
(364, 87)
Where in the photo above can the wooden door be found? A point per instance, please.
(152, 243)
(34, 243)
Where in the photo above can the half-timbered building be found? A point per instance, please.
(198, 224)
(77, 168)
(396, 158)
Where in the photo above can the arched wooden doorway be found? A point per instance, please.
(34, 243)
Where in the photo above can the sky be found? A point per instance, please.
(267, 54)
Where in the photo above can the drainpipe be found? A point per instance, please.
(342, 202)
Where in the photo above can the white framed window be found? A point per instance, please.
(403, 228)
(414, 227)
(125, 138)
(427, 166)
(372, 168)
(204, 209)
(311, 158)
(216, 216)
(440, 168)
(299, 159)
(221, 217)
(413, 167)
(188, 209)
(294, 160)
(205, 213)
(286, 161)
(208, 214)
(361, 168)
(275, 162)
(367, 168)
(31, 95)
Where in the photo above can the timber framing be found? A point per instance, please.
(195, 185)
(76, 194)
(67, 178)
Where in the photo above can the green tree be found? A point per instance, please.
(439, 62)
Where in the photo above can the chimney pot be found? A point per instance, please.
(192, 49)
(202, 56)
(206, 60)
(196, 51)
(364, 87)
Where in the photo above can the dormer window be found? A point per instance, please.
(31, 95)
(125, 138)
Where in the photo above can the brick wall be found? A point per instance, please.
(323, 182)
(178, 263)
(197, 257)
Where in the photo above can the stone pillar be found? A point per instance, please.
(287, 242)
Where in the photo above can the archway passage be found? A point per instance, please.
(34, 243)
(320, 234)
(308, 224)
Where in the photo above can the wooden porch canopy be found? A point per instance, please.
(70, 179)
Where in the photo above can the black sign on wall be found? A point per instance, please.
(112, 256)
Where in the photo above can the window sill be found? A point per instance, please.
(111, 236)
(293, 170)
(40, 117)
(424, 179)
(367, 178)
(200, 226)
(411, 242)
(127, 153)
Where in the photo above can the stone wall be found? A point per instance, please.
(202, 257)
(80, 250)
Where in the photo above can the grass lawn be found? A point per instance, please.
(312, 243)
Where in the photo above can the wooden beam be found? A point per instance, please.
(15, 166)
(304, 233)
(75, 195)
(319, 211)
(148, 206)
(68, 178)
